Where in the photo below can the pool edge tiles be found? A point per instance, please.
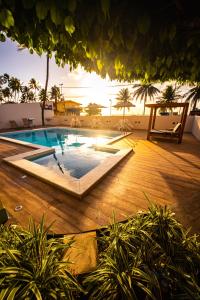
(77, 188)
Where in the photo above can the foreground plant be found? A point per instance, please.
(31, 265)
(150, 256)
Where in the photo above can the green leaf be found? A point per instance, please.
(105, 5)
(3, 294)
(56, 16)
(69, 25)
(143, 24)
(6, 18)
(41, 10)
(71, 5)
(13, 292)
(2, 37)
(99, 65)
(36, 292)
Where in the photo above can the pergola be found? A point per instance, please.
(177, 131)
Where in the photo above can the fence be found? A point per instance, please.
(114, 122)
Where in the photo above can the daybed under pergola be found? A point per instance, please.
(174, 133)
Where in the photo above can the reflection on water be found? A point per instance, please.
(75, 162)
(74, 154)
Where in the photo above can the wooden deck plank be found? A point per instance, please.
(167, 173)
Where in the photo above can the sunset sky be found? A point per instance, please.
(81, 86)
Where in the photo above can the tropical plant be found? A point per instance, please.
(6, 93)
(145, 90)
(15, 86)
(34, 85)
(42, 96)
(193, 96)
(93, 109)
(31, 266)
(147, 44)
(26, 94)
(124, 100)
(150, 256)
(4, 79)
(55, 95)
(170, 94)
(22, 47)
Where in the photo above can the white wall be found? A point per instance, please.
(19, 111)
(136, 122)
(196, 127)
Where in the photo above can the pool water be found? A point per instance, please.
(74, 151)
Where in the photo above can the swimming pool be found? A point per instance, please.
(73, 160)
(75, 154)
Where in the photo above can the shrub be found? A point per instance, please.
(150, 256)
(31, 265)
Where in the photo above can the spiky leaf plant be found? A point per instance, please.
(150, 256)
(31, 265)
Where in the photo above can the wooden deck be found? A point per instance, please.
(167, 173)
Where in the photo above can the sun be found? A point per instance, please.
(98, 89)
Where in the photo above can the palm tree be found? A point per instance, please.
(124, 100)
(6, 93)
(15, 86)
(145, 90)
(24, 94)
(55, 95)
(31, 96)
(170, 94)
(22, 47)
(193, 96)
(4, 79)
(45, 98)
(34, 85)
(42, 95)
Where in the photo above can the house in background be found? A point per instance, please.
(68, 107)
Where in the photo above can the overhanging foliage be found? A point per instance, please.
(155, 40)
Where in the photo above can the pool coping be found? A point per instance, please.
(67, 183)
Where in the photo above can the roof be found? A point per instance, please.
(70, 103)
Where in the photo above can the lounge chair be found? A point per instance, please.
(27, 122)
(13, 124)
(168, 133)
(124, 125)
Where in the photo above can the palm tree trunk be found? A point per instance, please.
(144, 107)
(56, 104)
(124, 117)
(45, 90)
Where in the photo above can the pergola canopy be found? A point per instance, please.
(178, 134)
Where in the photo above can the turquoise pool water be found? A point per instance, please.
(74, 154)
